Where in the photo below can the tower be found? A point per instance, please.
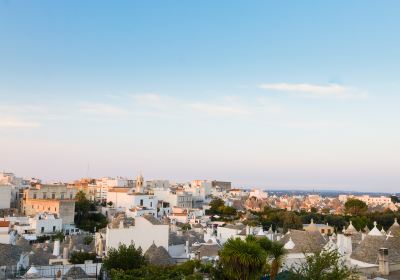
(139, 184)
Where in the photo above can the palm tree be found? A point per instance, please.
(277, 253)
(242, 260)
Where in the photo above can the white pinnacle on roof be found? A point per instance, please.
(289, 245)
(383, 231)
(261, 232)
(331, 245)
(395, 222)
(351, 228)
(375, 231)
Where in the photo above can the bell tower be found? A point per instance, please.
(139, 184)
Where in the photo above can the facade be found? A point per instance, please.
(175, 198)
(221, 185)
(5, 232)
(260, 194)
(5, 196)
(88, 187)
(105, 183)
(56, 199)
(200, 189)
(45, 223)
(369, 200)
(157, 184)
(141, 231)
(125, 198)
(324, 229)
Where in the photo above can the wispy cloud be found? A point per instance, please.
(155, 100)
(102, 109)
(171, 105)
(315, 90)
(313, 125)
(218, 109)
(7, 122)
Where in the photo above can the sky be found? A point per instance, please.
(269, 94)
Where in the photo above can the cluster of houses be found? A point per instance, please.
(258, 199)
(169, 222)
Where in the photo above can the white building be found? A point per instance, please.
(40, 224)
(200, 189)
(260, 194)
(5, 196)
(369, 200)
(5, 232)
(231, 231)
(175, 198)
(134, 203)
(141, 231)
(103, 185)
(157, 184)
(45, 223)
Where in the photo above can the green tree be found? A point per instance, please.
(277, 254)
(81, 257)
(186, 227)
(190, 270)
(324, 265)
(242, 260)
(59, 235)
(291, 221)
(395, 198)
(227, 210)
(215, 205)
(355, 207)
(88, 239)
(124, 258)
(86, 217)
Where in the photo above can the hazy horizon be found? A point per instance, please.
(259, 93)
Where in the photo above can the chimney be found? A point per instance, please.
(187, 247)
(56, 249)
(383, 257)
(66, 253)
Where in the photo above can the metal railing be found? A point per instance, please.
(92, 270)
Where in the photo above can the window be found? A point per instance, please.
(151, 204)
(141, 202)
(70, 196)
(44, 195)
(62, 195)
(322, 231)
(54, 228)
(34, 196)
(53, 195)
(42, 229)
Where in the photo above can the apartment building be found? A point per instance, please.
(56, 199)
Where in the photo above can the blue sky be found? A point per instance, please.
(274, 94)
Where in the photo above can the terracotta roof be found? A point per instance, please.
(4, 223)
(119, 190)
